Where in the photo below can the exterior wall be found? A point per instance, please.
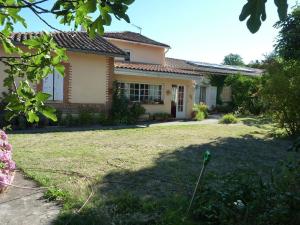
(2, 74)
(88, 78)
(167, 92)
(87, 82)
(142, 53)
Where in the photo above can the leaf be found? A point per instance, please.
(32, 117)
(256, 10)
(49, 112)
(91, 6)
(42, 97)
(32, 42)
(282, 8)
(61, 69)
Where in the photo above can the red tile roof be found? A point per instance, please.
(132, 36)
(153, 68)
(75, 41)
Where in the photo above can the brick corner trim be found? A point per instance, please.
(109, 81)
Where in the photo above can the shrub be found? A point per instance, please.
(86, 116)
(246, 93)
(7, 165)
(244, 198)
(122, 111)
(69, 120)
(228, 118)
(200, 111)
(282, 93)
(161, 116)
(200, 116)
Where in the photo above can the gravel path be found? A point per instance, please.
(25, 206)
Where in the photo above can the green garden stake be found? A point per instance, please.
(206, 159)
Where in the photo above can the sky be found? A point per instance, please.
(198, 30)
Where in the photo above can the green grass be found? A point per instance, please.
(151, 164)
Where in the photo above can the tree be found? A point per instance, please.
(34, 65)
(233, 59)
(282, 94)
(288, 40)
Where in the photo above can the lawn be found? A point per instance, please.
(145, 163)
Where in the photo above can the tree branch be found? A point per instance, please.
(26, 5)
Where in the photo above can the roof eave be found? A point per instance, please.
(83, 51)
(137, 42)
(144, 73)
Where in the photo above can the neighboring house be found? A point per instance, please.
(139, 65)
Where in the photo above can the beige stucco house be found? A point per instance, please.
(140, 66)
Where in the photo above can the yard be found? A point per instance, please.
(151, 163)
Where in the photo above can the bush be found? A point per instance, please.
(86, 116)
(244, 198)
(246, 93)
(200, 111)
(7, 165)
(161, 116)
(200, 116)
(282, 93)
(122, 111)
(228, 119)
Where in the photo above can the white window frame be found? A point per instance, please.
(127, 93)
(54, 89)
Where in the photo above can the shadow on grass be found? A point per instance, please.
(257, 121)
(57, 129)
(146, 196)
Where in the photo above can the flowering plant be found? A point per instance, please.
(7, 165)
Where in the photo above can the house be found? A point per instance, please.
(139, 65)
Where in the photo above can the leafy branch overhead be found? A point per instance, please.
(255, 11)
(27, 63)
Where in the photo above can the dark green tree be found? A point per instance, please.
(233, 59)
(288, 40)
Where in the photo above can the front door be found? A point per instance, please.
(178, 101)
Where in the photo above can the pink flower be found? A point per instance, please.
(5, 156)
(11, 165)
(3, 135)
(4, 180)
(8, 147)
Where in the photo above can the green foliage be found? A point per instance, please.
(86, 116)
(288, 44)
(256, 11)
(123, 111)
(228, 119)
(54, 194)
(161, 116)
(246, 93)
(282, 94)
(234, 60)
(244, 198)
(200, 111)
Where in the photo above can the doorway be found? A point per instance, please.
(178, 101)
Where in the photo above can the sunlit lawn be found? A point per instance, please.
(150, 162)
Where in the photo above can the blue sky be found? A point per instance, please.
(202, 30)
